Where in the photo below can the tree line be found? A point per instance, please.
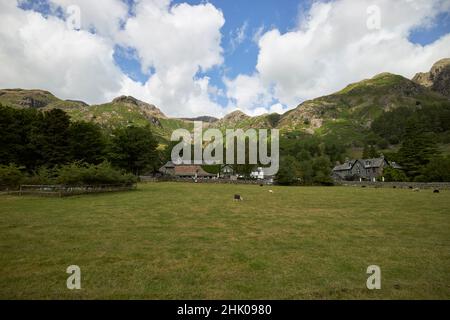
(32, 139)
(36, 141)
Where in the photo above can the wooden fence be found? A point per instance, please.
(65, 191)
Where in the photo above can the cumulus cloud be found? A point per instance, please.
(335, 45)
(38, 52)
(247, 92)
(104, 17)
(178, 42)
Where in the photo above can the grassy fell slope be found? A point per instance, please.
(348, 114)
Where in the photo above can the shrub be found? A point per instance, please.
(10, 175)
(43, 175)
(80, 173)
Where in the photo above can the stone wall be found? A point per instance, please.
(212, 181)
(400, 185)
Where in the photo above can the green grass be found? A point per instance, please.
(188, 241)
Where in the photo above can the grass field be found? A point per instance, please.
(192, 241)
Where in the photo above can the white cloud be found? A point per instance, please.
(330, 48)
(103, 16)
(334, 47)
(178, 41)
(194, 100)
(238, 36)
(36, 52)
(258, 33)
(247, 92)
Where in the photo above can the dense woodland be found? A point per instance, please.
(45, 146)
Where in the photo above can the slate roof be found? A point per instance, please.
(373, 163)
(347, 165)
(368, 163)
(169, 164)
(395, 165)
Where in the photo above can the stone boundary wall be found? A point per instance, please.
(400, 185)
(211, 181)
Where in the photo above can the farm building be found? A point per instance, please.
(185, 171)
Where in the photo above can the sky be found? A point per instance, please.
(196, 57)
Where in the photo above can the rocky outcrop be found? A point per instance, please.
(232, 119)
(437, 79)
(27, 98)
(206, 119)
(150, 111)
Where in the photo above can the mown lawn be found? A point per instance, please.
(192, 241)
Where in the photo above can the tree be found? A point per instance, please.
(418, 148)
(370, 152)
(49, 138)
(394, 175)
(86, 142)
(134, 149)
(15, 128)
(289, 171)
(437, 170)
(306, 172)
(322, 171)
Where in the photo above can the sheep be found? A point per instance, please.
(237, 197)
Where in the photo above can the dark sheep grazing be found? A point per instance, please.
(237, 197)
(436, 191)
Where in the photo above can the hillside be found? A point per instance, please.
(347, 115)
(239, 120)
(122, 111)
(344, 116)
(21, 98)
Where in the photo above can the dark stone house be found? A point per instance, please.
(362, 169)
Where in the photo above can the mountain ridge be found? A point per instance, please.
(351, 109)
